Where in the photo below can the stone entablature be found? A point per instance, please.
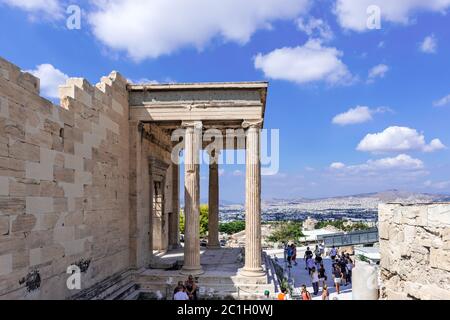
(415, 250)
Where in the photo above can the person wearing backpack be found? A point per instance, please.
(305, 293)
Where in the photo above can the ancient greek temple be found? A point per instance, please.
(91, 185)
(198, 107)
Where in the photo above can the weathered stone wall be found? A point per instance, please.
(415, 251)
(64, 184)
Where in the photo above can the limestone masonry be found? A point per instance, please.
(91, 182)
(415, 250)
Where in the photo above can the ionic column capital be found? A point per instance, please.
(192, 124)
(250, 124)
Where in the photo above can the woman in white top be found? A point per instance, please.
(315, 280)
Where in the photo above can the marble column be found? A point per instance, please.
(193, 137)
(174, 224)
(252, 267)
(213, 201)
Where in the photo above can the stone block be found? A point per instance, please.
(59, 160)
(4, 150)
(67, 117)
(4, 186)
(73, 162)
(50, 189)
(383, 228)
(83, 150)
(10, 167)
(23, 223)
(46, 221)
(440, 259)
(409, 233)
(60, 205)
(6, 264)
(37, 205)
(74, 247)
(17, 188)
(40, 138)
(22, 150)
(53, 127)
(117, 107)
(35, 256)
(64, 234)
(4, 225)
(11, 205)
(4, 107)
(64, 175)
(439, 215)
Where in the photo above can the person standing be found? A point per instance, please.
(282, 295)
(308, 255)
(180, 294)
(325, 293)
(343, 266)
(349, 270)
(322, 275)
(290, 252)
(305, 293)
(315, 280)
(294, 254)
(337, 274)
(310, 265)
(333, 253)
(267, 295)
(191, 288)
(180, 284)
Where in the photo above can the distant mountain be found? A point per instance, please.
(393, 195)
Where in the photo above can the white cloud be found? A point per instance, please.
(400, 162)
(398, 139)
(315, 28)
(359, 114)
(379, 71)
(352, 14)
(308, 63)
(50, 79)
(429, 44)
(50, 8)
(442, 102)
(337, 165)
(149, 29)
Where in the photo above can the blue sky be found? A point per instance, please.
(390, 86)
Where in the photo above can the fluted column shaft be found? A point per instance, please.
(174, 230)
(192, 199)
(213, 201)
(252, 265)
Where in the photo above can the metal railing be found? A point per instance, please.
(351, 238)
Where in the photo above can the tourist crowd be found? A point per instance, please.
(341, 273)
(341, 270)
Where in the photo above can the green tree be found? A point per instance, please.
(232, 227)
(287, 231)
(340, 224)
(203, 220)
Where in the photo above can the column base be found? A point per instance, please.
(195, 271)
(252, 273)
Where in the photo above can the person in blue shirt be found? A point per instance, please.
(290, 253)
